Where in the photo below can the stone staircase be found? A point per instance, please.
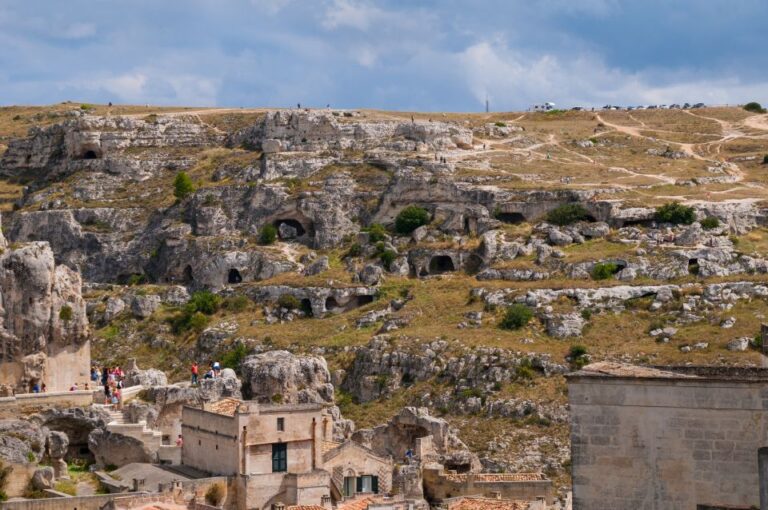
(151, 438)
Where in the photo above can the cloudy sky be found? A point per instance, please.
(440, 55)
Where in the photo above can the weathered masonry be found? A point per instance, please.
(667, 438)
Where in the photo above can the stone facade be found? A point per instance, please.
(666, 439)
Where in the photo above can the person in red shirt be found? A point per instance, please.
(195, 371)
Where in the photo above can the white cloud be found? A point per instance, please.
(78, 31)
(127, 87)
(271, 6)
(350, 14)
(513, 78)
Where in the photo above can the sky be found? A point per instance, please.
(429, 55)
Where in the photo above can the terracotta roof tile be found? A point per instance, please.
(356, 504)
(473, 503)
(305, 507)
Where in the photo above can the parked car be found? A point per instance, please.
(699, 105)
(577, 108)
(674, 106)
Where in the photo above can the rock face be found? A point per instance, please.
(42, 320)
(116, 449)
(401, 432)
(281, 377)
(21, 441)
(147, 378)
(43, 478)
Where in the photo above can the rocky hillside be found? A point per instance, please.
(457, 262)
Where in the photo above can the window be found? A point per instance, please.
(368, 483)
(279, 457)
(349, 486)
(281, 424)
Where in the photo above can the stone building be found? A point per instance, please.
(667, 438)
(280, 454)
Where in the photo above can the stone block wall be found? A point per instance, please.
(666, 444)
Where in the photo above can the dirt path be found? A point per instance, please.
(757, 122)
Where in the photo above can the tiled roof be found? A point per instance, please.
(356, 504)
(225, 406)
(327, 446)
(473, 503)
(495, 477)
(305, 507)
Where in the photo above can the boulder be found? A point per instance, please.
(114, 307)
(43, 478)
(279, 376)
(371, 274)
(318, 266)
(116, 449)
(738, 344)
(564, 325)
(144, 306)
(58, 443)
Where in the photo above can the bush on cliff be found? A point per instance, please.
(516, 317)
(183, 186)
(268, 234)
(411, 218)
(567, 214)
(675, 212)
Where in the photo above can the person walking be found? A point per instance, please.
(195, 372)
(216, 369)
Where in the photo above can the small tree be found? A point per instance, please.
(765, 159)
(567, 214)
(204, 301)
(516, 317)
(65, 313)
(675, 212)
(710, 222)
(411, 218)
(268, 234)
(387, 257)
(754, 107)
(376, 233)
(183, 186)
(604, 270)
(288, 301)
(214, 495)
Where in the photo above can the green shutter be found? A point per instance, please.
(375, 484)
(359, 484)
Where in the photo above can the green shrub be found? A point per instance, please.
(578, 355)
(86, 106)
(516, 317)
(268, 234)
(500, 124)
(710, 222)
(355, 250)
(214, 495)
(604, 270)
(234, 357)
(65, 313)
(236, 303)
(204, 301)
(411, 218)
(288, 301)
(675, 212)
(567, 214)
(182, 186)
(376, 233)
(586, 314)
(525, 369)
(754, 107)
(765, 159)
(387, 257)
(471, 392)
(136, 279)
(577, 351)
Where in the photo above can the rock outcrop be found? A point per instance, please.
(400, 433)
(109, 448)
(281, 377)
(42, 320)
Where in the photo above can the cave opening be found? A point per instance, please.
(441, 264)
(289, 228)
(188, 277)
(512, 218)
(90, 154)
(234, 276)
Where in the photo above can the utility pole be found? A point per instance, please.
(487, 107)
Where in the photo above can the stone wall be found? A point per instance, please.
(30, 403)
(666, 444)
(439, 485)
